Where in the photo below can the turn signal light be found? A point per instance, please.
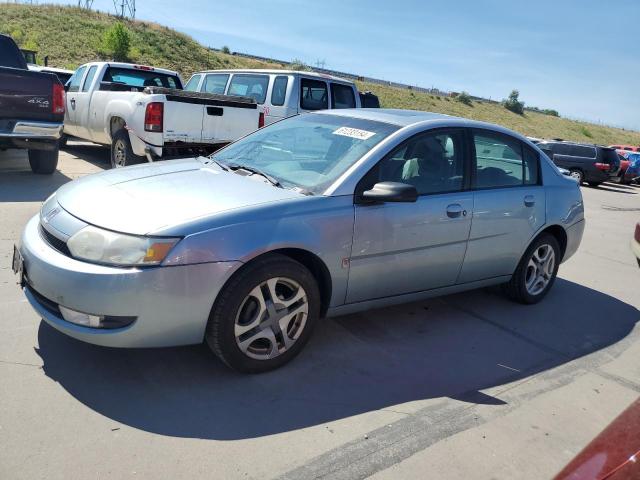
(57, 103)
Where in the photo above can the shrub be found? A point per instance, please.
(116, 42)
(297, 64)
(513, 104)
(226, 50)
(464, 97)
(549, 111)
(585, 131)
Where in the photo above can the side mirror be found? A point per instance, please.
(390, 192)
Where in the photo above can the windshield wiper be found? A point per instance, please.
(233, 167)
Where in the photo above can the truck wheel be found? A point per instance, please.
(43, 161)
(121, 152)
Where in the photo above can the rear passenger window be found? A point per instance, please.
(89, 79)
(582, 151)
(500, 161)
(279, 90)
(342, 96)
(313, 94)
(254, 86)
(215, 84)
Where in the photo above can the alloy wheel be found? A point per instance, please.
(119, 154)
(540, 269)
(271, 318)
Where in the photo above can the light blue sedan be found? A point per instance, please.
(318, 215)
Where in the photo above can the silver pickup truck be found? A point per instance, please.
(144, 114)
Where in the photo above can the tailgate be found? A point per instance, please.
(27, 95)
(205, 117)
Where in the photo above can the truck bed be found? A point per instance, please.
(175, 95)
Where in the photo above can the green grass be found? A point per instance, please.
(71, 36)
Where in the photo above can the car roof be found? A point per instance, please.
(277, 71)
(568, 142)
(402, 118)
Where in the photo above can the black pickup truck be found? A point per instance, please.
(31, 109)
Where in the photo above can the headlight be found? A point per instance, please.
(102, 246)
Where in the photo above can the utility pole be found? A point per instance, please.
(85, 4)
(125, 8)
(320, 63)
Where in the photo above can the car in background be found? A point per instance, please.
(613, 454)
(62, 74)
(320, 214)
(632, 174)
(282, 93)
(31, 109)
(624, 162)
(626, 148)
(593, 164)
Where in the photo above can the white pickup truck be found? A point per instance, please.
(143, 113)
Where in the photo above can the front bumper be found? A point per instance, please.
(171, 304)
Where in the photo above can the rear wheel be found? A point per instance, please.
(536, 271)
(577, 174)
(264, 315)
(43, 161)
(121, 152)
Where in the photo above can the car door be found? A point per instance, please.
(409, 247)
(70, 126)
(509, 205)
(82, 100)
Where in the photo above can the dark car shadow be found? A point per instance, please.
(19, 184)
(448, 347)
(98, 155)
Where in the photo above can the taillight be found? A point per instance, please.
(261, 120)
(58, 98)
(153, 117)
(637, 234)
(603, 166)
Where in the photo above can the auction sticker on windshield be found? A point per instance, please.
(354, 133)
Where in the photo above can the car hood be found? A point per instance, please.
(146, 198)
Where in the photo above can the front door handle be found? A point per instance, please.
(73, 103)
(529, 201)
(455, 210)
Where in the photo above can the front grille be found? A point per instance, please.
(54, 241)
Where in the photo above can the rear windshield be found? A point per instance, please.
(609, 156)
(141, 78)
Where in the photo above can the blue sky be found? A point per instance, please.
(580, 57)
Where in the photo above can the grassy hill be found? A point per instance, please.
(71, 36)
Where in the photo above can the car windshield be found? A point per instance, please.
(307, 151)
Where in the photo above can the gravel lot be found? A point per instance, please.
(468, 386)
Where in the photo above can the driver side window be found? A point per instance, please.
(433, 162)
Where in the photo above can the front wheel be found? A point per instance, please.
(121, 152)
(536, 271)
(43, 161)
(264, 315)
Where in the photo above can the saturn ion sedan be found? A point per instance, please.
(317, 215)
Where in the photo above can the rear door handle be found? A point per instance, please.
(455, 210)
(73, 103)
(529, 200)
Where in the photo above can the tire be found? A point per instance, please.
(234, 330)
(121, 152)
(520, 289)
(43, 162)
(577, 174)
(594, 184)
